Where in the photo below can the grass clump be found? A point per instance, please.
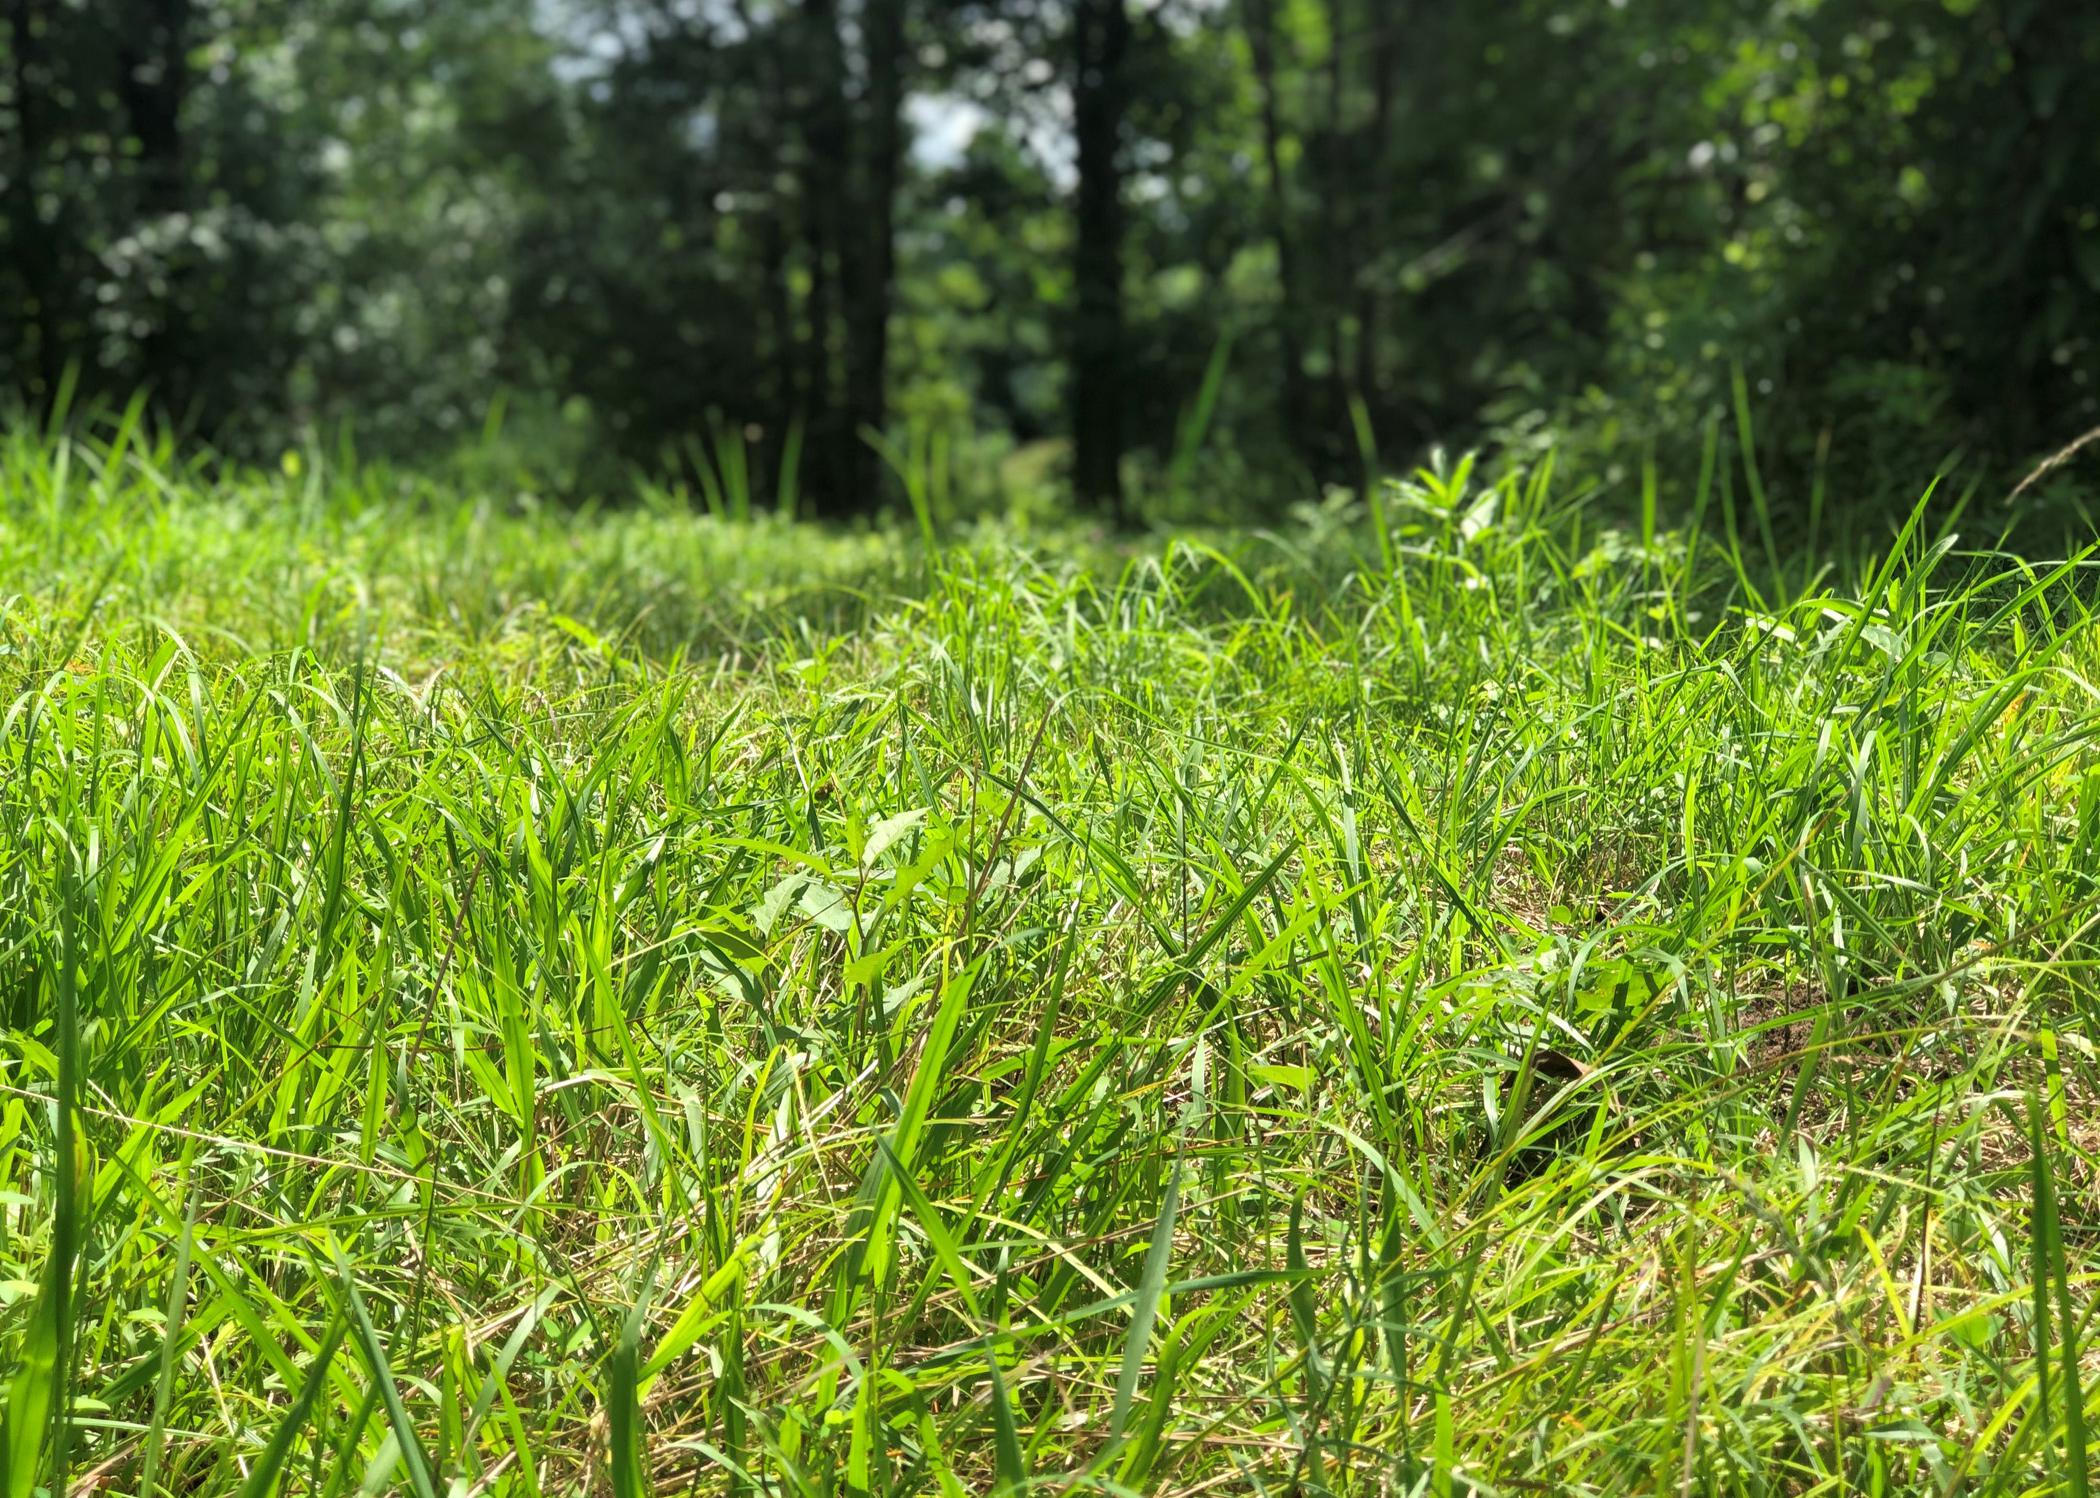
(504, 1002)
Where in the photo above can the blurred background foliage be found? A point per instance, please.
(1221, 253)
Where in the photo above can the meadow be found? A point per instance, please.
(1495, 992)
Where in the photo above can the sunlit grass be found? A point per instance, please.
(638, 1001)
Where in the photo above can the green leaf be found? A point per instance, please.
(36, 1396)
(767, 913)
(262, 1476)
(1009, 1467)
(885, 833)
(1297, 1078)
(703, 1311)
(827, 906)
(1145, 1313)
(623, 1400)
(420, 1480)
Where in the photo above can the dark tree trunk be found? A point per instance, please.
(1335, 195)
(875, 260)
(1376, 188)
(1101, 33)
(1261, 40)
(152, 80)
(153, 74)
(31, 239)
(785, 395)
(825, 141)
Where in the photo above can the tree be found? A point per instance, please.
(1259, 19)
(152, 80)
(689, 234)
(1100, 44)
(29, 235)
(852, 154)
(872, 285)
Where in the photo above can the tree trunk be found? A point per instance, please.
(786, 400)
(31, 238)
(1336, 193)
(825, 139)
(152, 79)
(153, 73)
(1261, 41)
(1101, 33)
(1372, 220)
(874, 269)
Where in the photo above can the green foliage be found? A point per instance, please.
(630, 228)
(709, 1005)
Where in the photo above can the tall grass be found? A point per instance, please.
(667, 1003)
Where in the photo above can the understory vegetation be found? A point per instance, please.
(1472, 994)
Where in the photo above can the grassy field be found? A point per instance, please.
(1458, 1000)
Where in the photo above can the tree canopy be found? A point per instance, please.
(1065, 237)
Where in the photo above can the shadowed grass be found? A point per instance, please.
(1504, 1004)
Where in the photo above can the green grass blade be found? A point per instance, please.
(623, 1400)
(171, 1339)
(2050, 1268)
(262, 1476)
(420, 1479)
(37, 1394)
(1144, 1314)
(1009, 1466)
